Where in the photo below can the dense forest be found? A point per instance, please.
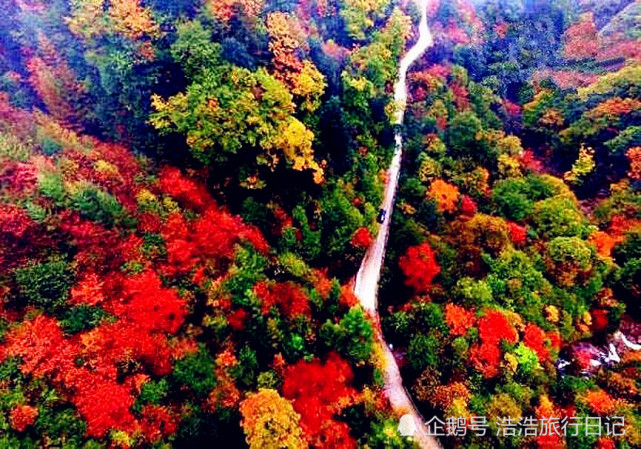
(188, 189)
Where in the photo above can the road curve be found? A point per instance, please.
(366, 287)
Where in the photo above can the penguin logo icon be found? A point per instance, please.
(407, 426)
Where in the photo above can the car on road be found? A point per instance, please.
(382, 213)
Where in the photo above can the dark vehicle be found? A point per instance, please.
(382, 213)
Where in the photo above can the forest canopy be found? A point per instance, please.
(189, 190)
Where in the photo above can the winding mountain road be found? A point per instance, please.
(366, 287)
(367, 279)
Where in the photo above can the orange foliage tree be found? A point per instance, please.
(223, 10)
(634, 156)
(444, 194)
(286, 37)
(458, 319)
(128, 18)
(131, 19)
(22, 417)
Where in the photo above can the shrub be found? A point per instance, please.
(196, 372)
(559, 216)
(82, 318)
(567, 258)
(97, 205)
(527, 358)
(50, 147)
(515, 197)
(46, 284)
(423, 352)
(353, 336)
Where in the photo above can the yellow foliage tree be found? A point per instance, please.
(131, 20)
(87, 18)
(552, 117)
(295, 142)
(509, 166)
(583, 166)
(604, 84)
(361, 15)
(270, 422)
(510, 145)
(125, 17)
(302, 77)
(285, 31)
(438, 112)
(238, 110)
(309, 84)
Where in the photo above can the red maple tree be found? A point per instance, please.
(419, 266)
